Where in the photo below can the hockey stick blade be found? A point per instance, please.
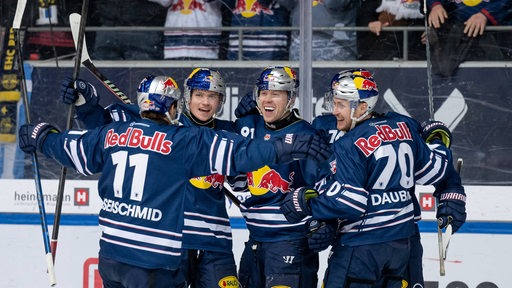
(393, 102)
(20, 10)
(74, 23)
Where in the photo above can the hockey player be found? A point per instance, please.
(276, 253)
(324, 236)
(207, 238)
(144, 166)
(378, 161)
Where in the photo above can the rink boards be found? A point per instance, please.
(478, 255)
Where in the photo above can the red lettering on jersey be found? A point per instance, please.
(135, 138)
(384, 133)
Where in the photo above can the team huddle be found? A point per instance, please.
(345, 181)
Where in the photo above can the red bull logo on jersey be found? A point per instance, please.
(206, 182)
(135, 138)
(266, 179)
(384, 134)
(228, 282)
(187, 6)
(250, 8)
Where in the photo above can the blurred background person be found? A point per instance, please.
(328, 45)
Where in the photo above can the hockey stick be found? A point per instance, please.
(429, 64)
(444, 239)
(74, 23)
(20, 9)
(69, 125)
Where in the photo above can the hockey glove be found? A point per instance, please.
(301, 146)
(321, 234)
(436, 130)
(295, 205)
(78, 92)
(246, 106)
(32, 136)
(451, 210)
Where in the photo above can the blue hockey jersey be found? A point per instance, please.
(206, 222)
(144, 168)
(377, 164)
(268, 185)
(326, 127)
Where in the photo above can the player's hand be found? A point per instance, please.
(437, 16)
(451, 210)
(321, 234)
(78, 92)
(475, 25)
(436, 130)
(295, 205)
(246, 106)
(31, 136)
(301, 146)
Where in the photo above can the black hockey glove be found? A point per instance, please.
(321, 234)
(32, 136)
(295, 205)
(436, 130)
(246, 106)
(451, 210)
(79, 92)
(301, 146)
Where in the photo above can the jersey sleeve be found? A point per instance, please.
(226, 153)
(351, 199)
(81, 150)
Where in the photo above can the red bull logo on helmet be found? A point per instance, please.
(266, 179)
(363, 83)
(147, 105)
(188, 6)
(251, 8)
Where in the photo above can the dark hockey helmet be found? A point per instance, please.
(205, 79)
(157, 94)
(278, 78)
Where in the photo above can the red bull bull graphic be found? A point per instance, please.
(267, 179)
(206, 182)
(228, 282)
(250, 8)
(169, 84)
(188, 6)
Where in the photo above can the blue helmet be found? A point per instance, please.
(205, 79)
(157, 94)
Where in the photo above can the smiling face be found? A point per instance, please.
(342, 110)
(204, 104)
(273, 104)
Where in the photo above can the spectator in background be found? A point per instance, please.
(49, 44)
(505, 37)
(328, 45)
(458, 33)
(192, 44)
(379, 45)
(262, 44)
(128, 45)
